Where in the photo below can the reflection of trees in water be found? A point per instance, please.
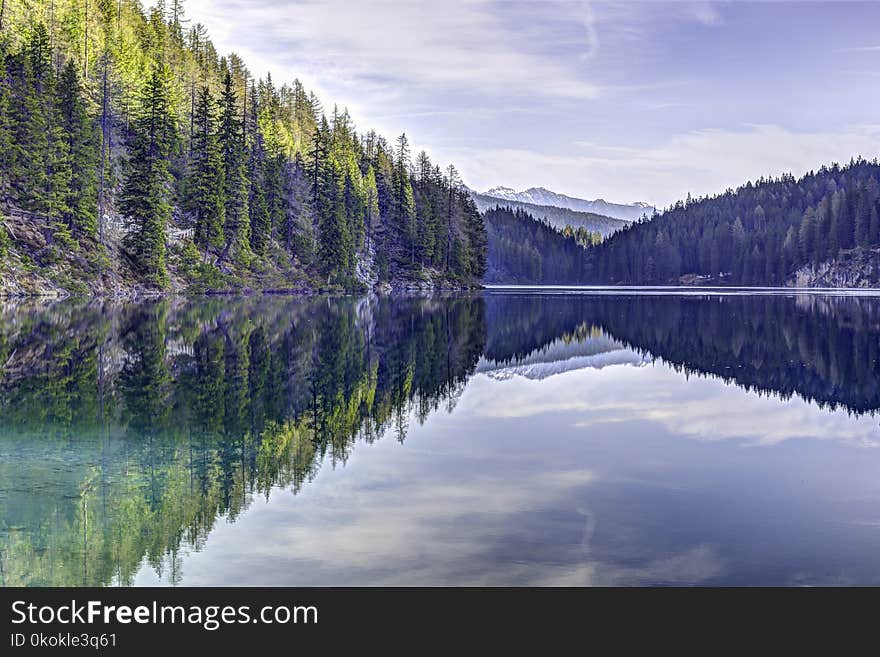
(824, 349)
(128, 431)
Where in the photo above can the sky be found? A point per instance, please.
(627, 102)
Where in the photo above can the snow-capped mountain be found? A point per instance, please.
(543, 196)
(554, 215)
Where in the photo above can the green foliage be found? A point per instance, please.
(236, 185)
(525, 250)
(205, 200)
(190, 140)
(145, 195)
(5, 242)
(80, 141)
(583, 236)
(6, 122)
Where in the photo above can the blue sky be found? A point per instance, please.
(624, 101)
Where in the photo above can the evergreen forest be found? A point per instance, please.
(134, 155)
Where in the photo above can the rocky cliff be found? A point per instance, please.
(855, 268)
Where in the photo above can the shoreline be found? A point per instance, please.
(634, 290)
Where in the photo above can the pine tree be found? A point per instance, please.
(371, 205)
(259, 216)
(334, 238)
(81, 143)
(477, 239)
(874, 226)
(299, 224)
(403, 201)
(317, 158)
(451, 183)
(57, 193)
(862, 222)
(258, 209)
(5, 125)
(353, 200)
(145, 193)
(32, 83)
(235, 181)
(206, 201)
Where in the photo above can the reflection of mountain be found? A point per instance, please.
(562, 356)
(823, 349)
(126, 432)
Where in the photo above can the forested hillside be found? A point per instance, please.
(823, 228)
(523, 250)
(133, 156)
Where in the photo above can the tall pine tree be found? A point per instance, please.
(236, 185)
(81, 142)
(205, 189)
(145, 193)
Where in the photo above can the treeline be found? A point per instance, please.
(759, 234)
(109, 111)
(525, 250)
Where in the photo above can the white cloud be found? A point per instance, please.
(459, 45)
(459, 76)
(698, 162)
(708, 409)
(706, 13)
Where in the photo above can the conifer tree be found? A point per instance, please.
(31, 72)
(235, 181)
(874, 226)
(59, 175)
(403, 201)
(317, 157)
(334, 238)
(263, 167)
(371, 204)
(5, 124)
(206, 199)
(258, 211)
(451, 183)
(145, 194)
(81, 142)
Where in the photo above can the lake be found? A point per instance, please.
(507, 437)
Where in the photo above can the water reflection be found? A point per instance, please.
(152, 443)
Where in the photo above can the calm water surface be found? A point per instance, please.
(511, 437)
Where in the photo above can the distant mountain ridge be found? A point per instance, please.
(558, 217)
(543, 196)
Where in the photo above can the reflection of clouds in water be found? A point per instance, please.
(708, 409)
(514, 488)
(364, 525)
(692, 566)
